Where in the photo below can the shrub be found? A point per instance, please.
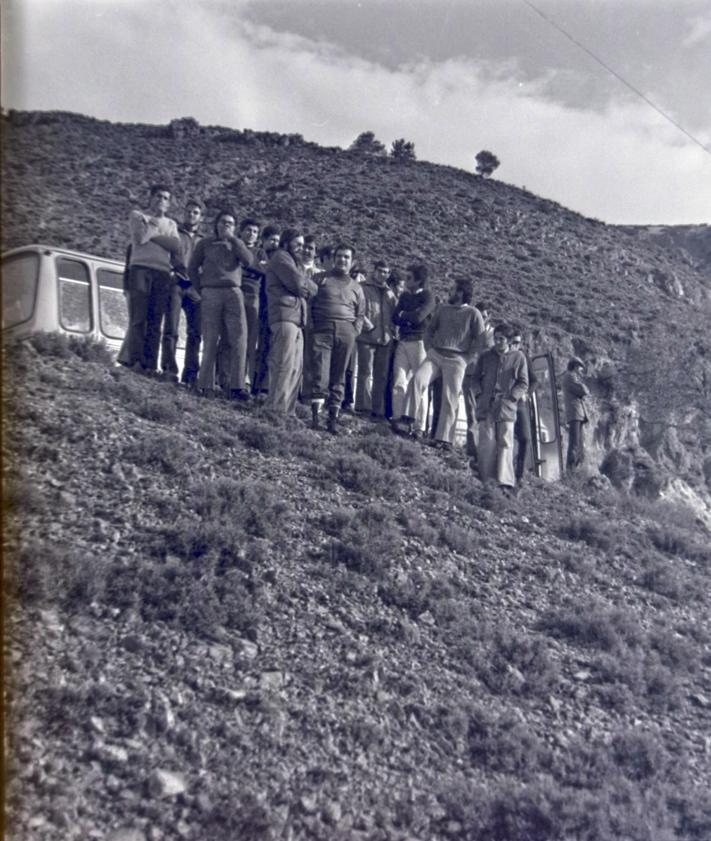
(593, 624)
(593, 531)
(390, 452)
(160, 408)
(159, 450)
(62, 346)
(261, 436)
(367, 541)
(361, 474)
(508, 661)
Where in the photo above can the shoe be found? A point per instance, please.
(332, 422)
(445, 446)
(241, 395)
(415, 434)
(169, 377)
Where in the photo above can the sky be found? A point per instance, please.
(453, 77)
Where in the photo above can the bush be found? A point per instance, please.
(367, 541)
(262, 436)
(390, 452)
(63, 346)
(159, 450)
(593, 624)
(361, 474)
(593, 531)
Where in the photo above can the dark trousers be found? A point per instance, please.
(180, 302)
(576, 444)
(522, 437)
(149, 298)
(332, 344)
(470, 409)
(389, 383)
(251, 311)
(349, 380)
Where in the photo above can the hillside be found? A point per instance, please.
(577, 285)
(219, 627)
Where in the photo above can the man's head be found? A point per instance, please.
(270, 239)
(292, 241)
(502, 337)
(159, 200)
(192, 214)
(249, 232)
(343, 255)
(396, 283)
(309, 252)
(516, 340)
(575, 363)
(462, 292)
(225, 224)
(381, 272)
(416, 277)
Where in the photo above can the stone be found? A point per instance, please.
(220, 653)
(109, 754)
(163, 783)
(308, 804)
(699, 700)
(249, 649)
(271, 680)
(126, 834)
(332, 812)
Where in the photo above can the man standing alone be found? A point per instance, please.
(574, 394)
(500, 380)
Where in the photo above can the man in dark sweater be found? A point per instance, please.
(522, 426)
(375, 345)
(216, 272)
(452, 339)
(411, 316)
(500, 381)
(337, 314)
(269, 243)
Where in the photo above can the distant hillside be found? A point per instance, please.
(222, 626)
(576, 284)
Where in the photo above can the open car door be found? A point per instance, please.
(547, 450)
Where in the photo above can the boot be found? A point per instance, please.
(315, 416)
(332, 422)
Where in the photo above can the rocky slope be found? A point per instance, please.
(578, 285)
(219, 627)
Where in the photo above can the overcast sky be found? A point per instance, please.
(454, 77)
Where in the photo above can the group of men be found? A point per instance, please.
(280, 320)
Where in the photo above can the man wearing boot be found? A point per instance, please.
(337, 311)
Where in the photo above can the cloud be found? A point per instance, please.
(153, 62)
(699, 31)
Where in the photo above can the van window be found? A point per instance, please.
(113, 310)
(74, 296)
(19, 288)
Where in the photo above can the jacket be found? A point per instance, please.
(339, 298)
(217, 263)
(574, 393)
(380, 303)
(412, 314)
(288, 289)
(499, 381)
(456, 329)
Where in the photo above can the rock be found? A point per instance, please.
(249, 649)
(583, 674)
(97, 725)
(162, 783)
(220, 653)
(126, 834)
(308, 804)
(271, 680)
(109, 754)
(332, 812)
(133, 643)
(426, 618)
(699, 700)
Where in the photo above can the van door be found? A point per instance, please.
(113, 309)
(545, 420)
(20, 281)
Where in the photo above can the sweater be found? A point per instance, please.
(217, 263)
(339, 298)
(144, 252)
(412, 314)
(456, 329)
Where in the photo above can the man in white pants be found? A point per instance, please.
(453, 337)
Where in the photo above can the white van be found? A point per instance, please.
(54, 289)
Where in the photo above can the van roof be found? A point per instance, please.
(63, 252)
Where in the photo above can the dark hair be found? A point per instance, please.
(224, 212)
(504, 329)
(325, 253)
(574, 363)
(309, 239)
(419, 272)
(344, 246)
(355, 271)
(381, 264)
(466, 287)
(160, 188)
(287, 235)
(394, 280)
(269, 231)
(481, 306)
(195, 203)
(245, 223)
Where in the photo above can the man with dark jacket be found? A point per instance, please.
(337, 311)
(574, 394)
(412, 314)
(216, 272)
(185, 298)
(375, 344)
(500, 381)
(288, 290)
(269, 242)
